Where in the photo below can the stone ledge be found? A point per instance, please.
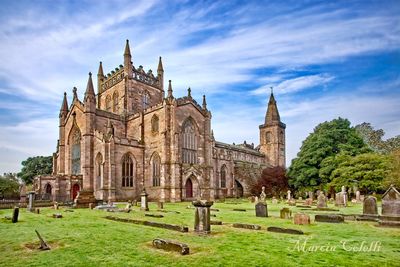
(284, 230)
(329, 218)
(247, 226)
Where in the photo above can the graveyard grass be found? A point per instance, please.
(85, 238)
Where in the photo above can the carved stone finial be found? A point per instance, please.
(75, 94)
(204, 102)
(189, 92)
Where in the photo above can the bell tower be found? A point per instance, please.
(272, 135)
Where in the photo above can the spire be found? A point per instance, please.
(89, 94)
(204, 102)
(272, 114)
(75, 95)
(189, 93)
(100, 73)
(64, 106)
(169, 90)
(160, 66)
(212, 135)
(127, 49)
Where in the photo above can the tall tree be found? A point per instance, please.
(9, 186)
(373, 138)
(35, 166)
(366, 170)
(328, 139)
(275, 181)
(394, 176)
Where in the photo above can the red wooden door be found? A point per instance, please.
(189, 188)
(75, 190)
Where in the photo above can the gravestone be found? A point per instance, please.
(37, 210)
(160, 205)
(391, 202)
(289, 197)
(358, 196)
(247, 226)
(300, 199)
(274, 200)
(55, 205)
(43, 244)
(285, 213)
(370, 206)
(301, 218)
(308, 202)
(321, 201)
(57, 215)
(15, 215)
(341, 198)
(329, 218)
(202, 216)
(22, 193)
(170, 245)
(284, 230)
(31, 203)
(144, 205)
(261, 210)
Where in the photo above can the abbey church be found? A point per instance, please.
(134, 135)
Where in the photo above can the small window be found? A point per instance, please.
(268, 137)
(154, 124)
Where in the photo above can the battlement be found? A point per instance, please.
(148, 78)
(112, 78)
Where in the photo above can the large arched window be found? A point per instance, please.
(154, 124)
(108, 103)
(189, 147)
(75, 143)
(145, 100)
(115, 102)
(128, 169)
(223, 176)
(156, 166)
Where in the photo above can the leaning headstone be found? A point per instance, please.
(43, 244)
(329, 218)
(144, 205)
(321, 201)
(370, 206)
(31, 203)
(15, 215)
(261, 210)
(301, 218)
(170, 245)
(285, 213)
(202, 216)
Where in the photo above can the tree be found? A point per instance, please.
(9, 186)
(373, 138)
(367, 170)
(328, 139)
(394, 176)
(275, 181)
(35, 166)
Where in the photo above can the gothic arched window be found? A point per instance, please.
(115, 102)
(189, 146)
(268, 137)
(128, 169)
(145, 100)
(75, 152)
(108, 103)
(99, 170)
(154, 124)
(223, 176)
(156, 164)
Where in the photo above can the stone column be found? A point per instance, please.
(31, 204)
(202, 216)
(144, 205)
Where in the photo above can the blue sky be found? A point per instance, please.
(325, 59)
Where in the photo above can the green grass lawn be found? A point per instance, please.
(85, 238)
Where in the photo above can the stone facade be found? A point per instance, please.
(133, 135)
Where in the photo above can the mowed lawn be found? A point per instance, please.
(85, 238)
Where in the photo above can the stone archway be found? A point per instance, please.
(47, 190)
(191, 189)
(239, 189)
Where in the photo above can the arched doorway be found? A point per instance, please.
(189, 188)
(75, 190)
(47, 194)
(239, 189)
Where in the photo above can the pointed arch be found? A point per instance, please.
(99, 171)
(128, 164)
(74, 142)
(156, 169)
(108, 103)
(223, 176)
(154, 123)
(192, 189)
(189, 141)
(115, 101)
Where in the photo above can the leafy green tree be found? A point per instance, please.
(9, 186)
(394, 176)
(327, 140)
(367, 170)
(35, 166)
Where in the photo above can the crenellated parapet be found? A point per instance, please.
(148, 78)
(112, 78)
